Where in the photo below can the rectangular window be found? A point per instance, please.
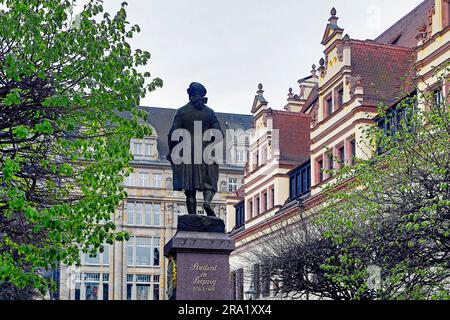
(156, 250)
(292, 187)
(157, 180)
(143, 287)
(328, 106)
(304, 181)
(143, 180)
(240, 215)
(156, 215)
(438, 98)
(130, 252)
(156, 287)
(308, 177)
(330, 162)
(148, 149)
(130, 213)
(138, 148)
(341, 155)
(339, 97)
(130, 286)
(239, 156)
(272, 197)
(353, 151)
(250, 209)
(105, 255)
(264, 202)
(148, 214)
(319, 169)
(232, 185)
(257, 210)
(298, 189)
(92, 285)
(105, 286)
(142, 291)
(138, 220)
(95, 261)
(129, 180)
(77, 290)
(143, 252)
(264, 155)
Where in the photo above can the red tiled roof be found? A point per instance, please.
(382, 68)
(294, 134)
(403, 32)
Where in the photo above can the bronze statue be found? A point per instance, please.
(194, 175)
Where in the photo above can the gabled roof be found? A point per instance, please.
(258, 102)
(404, 31)
(161, 119)
(382, 70)
(330, 31)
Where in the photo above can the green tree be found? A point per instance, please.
(69, 91)
(383, 229)
(392, 211)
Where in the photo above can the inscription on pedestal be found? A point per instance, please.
(206, 278)
(202, 276)
(199, 264)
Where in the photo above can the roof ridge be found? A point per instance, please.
(283, 112)
(377, 44)
(175, 109)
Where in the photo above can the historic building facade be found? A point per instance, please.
(341, 98)
(135, 270)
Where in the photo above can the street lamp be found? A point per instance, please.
(250, 293)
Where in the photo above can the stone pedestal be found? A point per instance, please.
(201, 260)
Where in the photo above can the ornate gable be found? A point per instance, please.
(332, 28)
(259, 102)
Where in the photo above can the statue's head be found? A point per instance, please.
(197, 93)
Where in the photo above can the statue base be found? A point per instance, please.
(199, 263)
(197, 223)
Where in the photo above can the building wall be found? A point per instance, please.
(346, 124)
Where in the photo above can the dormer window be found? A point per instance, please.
(148, 149)
(240, 156)
(137, 148)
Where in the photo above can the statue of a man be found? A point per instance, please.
(195, 174)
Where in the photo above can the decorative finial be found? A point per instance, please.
(314, 71)
(290, 94)
(333, 19)
(322, 62)
(260, 89)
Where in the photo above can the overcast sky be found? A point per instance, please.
(232, 45)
